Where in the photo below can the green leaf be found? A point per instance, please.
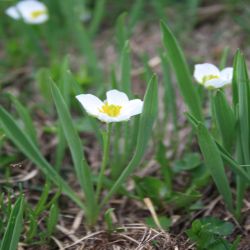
(14, 227)
(170, 103)
(125, 81)
(147, 119)
(27, 147)
(164, 222)
(108, 219)
(225, 120)
(224, 57)
(97, 16)
(215, 165)
(184, 79)
(134, 14)
(151, 187)
(189, 162)
(218, 227)
(26, 118)
(243, 105)
(52, 218)
(76, 149)
(121, 31)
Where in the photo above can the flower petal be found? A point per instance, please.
(215, 83)
(12, 12)
(117, 97)
(90, 103)
(27, 7)
(227, 74)
(134, 107)
(205, 69)
(106, 118)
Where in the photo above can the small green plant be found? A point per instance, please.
(210, 234)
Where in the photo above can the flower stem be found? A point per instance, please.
(106, 146)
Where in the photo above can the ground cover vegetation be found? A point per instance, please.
(124, 125)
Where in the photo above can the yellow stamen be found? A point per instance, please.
(111, 110)
(37, 13)
(209, 77)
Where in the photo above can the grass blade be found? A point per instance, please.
(97, 16)
(184, 79)
(27, 147)
(125, 81)
(14, 227)
(76, 149)
(121, 31)
(215, 165)
(27, 120)
(244, 108)
(225, 119)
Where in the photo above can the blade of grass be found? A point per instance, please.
(169, 92)
(225, 120)
(97, 17)
(135, 13)
(244, 108)
(184, 79)
(76, 149)
(125, 81)
(223, 61)
(27, 120)
(215, 165)
(14, 228)
(147, 119)
(27, 147)
(121, 32)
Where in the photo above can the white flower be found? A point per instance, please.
(31, 11)
(116, 108)
(211, 77)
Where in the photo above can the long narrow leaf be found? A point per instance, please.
(184, 79)
(76, 149)
(244, 108)
(225, 119)
(26, 118)
(27, 147)
(125, 81)
(215, 164)
(14, 227)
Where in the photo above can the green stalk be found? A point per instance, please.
(106, 147)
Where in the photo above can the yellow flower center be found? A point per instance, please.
(37, 13)
(111, 110)
(209, 77)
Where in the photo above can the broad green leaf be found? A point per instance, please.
(180, 66)
(147, 119)
(27, 147)
(15, 224)
(76, 149)
(225, 120)
(215, 164)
